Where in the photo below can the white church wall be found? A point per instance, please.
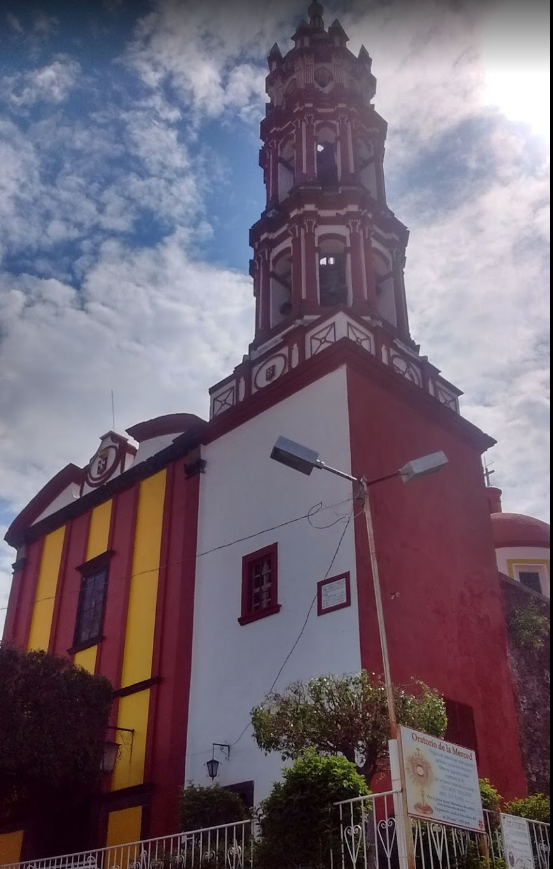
(244, 492)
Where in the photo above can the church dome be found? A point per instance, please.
(514, 529)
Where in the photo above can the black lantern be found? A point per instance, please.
(111, 750)
(213, 765)
(212, 768)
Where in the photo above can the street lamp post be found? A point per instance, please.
(305, 460)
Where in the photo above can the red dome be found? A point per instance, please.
(513, 529)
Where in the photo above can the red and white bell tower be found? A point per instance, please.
(329, 254)
(327, 237)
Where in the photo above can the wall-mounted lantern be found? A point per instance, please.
(213, 764)
(109, 757)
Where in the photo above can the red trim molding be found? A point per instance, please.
(249, 615)
(69, 475)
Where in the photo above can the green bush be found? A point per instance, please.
(491, 799)
(530, 626)
(201, 807)
(535, 808)
(298, 821)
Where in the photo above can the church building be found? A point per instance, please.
(197, 574)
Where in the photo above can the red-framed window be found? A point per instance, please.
(92, 601)
(259, 584)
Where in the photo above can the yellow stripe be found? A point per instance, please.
(132, 715)
(98, 535)
(10, 847)
(139, 638)
(521, 562)
(43, 610)
(87, 658)
(124, 826)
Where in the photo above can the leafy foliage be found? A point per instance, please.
(343, 715)
(536, 808)
(53, 720)
(298, 821)
(491, 799)
(530, 626)
(201, 807)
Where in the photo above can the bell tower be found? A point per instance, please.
(328, 253)
(327, 238)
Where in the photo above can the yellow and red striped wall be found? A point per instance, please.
(149, 527)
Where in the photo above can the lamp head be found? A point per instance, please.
(109, 757)
(295, 456)
(212, 768)
(422, 467)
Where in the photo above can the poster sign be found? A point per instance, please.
(333, 594)
(518, 845)
(441, 781)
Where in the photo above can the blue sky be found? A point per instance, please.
(129, 179)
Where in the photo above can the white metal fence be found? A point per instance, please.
(225, 847)
(368, 839)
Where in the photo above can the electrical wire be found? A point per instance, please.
(352, 515)
(316, 508)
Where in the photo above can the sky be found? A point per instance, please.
(129, 179)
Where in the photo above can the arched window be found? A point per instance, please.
(333, 287)
(384, 281)
(286, 170)
(281, 287)
(327, 166)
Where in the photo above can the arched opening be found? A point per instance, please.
(327, 165)
(281, 287)
(333, 285)
(367, 168)
(384, 281)
(286, 169)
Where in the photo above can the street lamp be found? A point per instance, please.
(305, 460)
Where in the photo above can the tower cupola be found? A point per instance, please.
(328, 253)
(327, 238)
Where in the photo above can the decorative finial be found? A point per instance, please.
(315, 13)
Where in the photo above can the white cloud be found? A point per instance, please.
(51, 84)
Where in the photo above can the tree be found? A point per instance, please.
(201, 807)
(298, 821)
(343, 715)
(53, 720)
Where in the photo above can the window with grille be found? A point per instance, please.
(259, 584)
(92, 597)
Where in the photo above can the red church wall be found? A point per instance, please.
(443, 609)
(168, 722)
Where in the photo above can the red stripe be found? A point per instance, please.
(18, 622)
(69, 585)
(173, 650)
(109, 660)
(164, 558)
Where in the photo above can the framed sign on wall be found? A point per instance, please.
(333, 594)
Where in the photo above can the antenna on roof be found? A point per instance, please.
(112, 411)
